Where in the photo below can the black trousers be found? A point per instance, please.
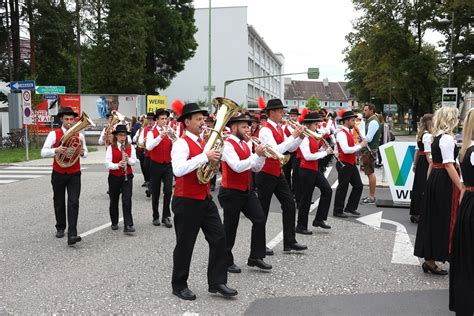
(290, 175)
(233, 202)
(297, 183)
(71, 183)
(267, 186)
(190, 215)
(309, 180)
(345, 175)
(146, 169)
(117, 185)
(161, 173)
(141, 158)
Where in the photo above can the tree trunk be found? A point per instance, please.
(78, 45)
(29, 8)
(15, 32)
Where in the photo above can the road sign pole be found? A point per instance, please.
(26, 142)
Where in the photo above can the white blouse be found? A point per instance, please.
(446, 144)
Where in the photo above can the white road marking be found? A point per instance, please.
(26, 168)
(25, 171)
(22, 176)
(7, 181)
(402, 248)
(94, 230)
(335, 184)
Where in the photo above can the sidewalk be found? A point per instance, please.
(93, 158)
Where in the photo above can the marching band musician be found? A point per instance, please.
(158, 146)
(140, 151)
(63, 179)
(236, 194)
(270, 179)
(102, 140)
(348, 173)
(194, 209)
(119, 159)
(311, 177)
(150, 116)
(290, 168)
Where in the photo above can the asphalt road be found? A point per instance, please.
(346, 271)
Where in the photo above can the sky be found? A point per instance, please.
(309, 33)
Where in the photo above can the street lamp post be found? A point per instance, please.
(209, 81)
(451, 51)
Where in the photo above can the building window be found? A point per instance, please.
(325, 104)
(340, 103)
(250, 65)
(251, 43)
(286, 102)
(250, 91)
(303, 103)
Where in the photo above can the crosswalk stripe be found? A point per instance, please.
(24, 171)
(22, 176)
(26, 168)
(8, 181)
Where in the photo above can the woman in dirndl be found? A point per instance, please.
(461, 271)
(421, 164)
(441, 195)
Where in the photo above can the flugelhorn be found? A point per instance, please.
(116, 118)
(170, 132)
(269, 151)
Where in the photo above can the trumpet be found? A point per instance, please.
(170, 132)
(309, 133)
(269, 151)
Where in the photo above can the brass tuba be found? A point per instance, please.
(116, 118)
(72, 142)
(226, 108)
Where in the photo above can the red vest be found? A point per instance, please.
(117, 157)
(75, 168)
(347, 158)
(272, 166)
(299, 154)
(310, 164)
(162, 152)
(188, 185)
(287, 131)
(230, 178)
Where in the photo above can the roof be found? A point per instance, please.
(323, 90)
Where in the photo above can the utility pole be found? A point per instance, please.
(209, 81)
(451, 51)
(78, 47)
(7, 19)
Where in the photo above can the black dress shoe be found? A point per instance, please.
(296, 247)
(128, 229)
(352, 212)
(436, 270)
(234, 269)
(60, 233)
(268, 251)
(156, 222)
(341, 215)
(71, 240)
(185, 294)
(167, 222)
(303, 231)
(145, 184)
(259, 263)
(223, 290)
(114, 226)
(148, 193)
(321, 224)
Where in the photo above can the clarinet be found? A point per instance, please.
(124, 167)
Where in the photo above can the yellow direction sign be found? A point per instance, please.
(154, 102)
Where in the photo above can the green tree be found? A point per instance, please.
(313, 104)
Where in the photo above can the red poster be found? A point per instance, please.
(43, 117)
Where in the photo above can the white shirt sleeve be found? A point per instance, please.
(108, 159)
(152, 142)
(84, 146)
(373, 128)
(304, 147)
(361, 128)
(132, 160)
(141, 138)
(179, 159)
(446, 144)
(137, 134)
(48, 151)
(289, 144)
(101, 137)
(342, 141)
(254, 162)
(426, 140)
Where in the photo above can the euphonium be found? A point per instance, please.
(72, 142)
(116, 118)
(226, 108)
(269, 151)
(170, 132)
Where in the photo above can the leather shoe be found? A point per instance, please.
(296, 247)
(128, 229)
(156, 222)
(268, 251)
(148, 193)
(234, 269)
(321, 224)
(303, 231)
(60, 233)
(259, 263)
(71, 240)
(185, 294)
(145, 184)
(167, 222)
(341, 215)
(223, 290)
(114, 226)
(352, 212)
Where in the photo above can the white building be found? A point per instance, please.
(237, 52)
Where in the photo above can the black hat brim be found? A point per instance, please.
(189, 114)
(67, 113)
(163, 112)
(248, 121)
(116, 132)
(348, 117)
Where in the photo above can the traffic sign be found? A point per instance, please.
(449, 97)
(27, 112)
(22, 85)
(50, 97)
(50, 89)
(390, 108)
